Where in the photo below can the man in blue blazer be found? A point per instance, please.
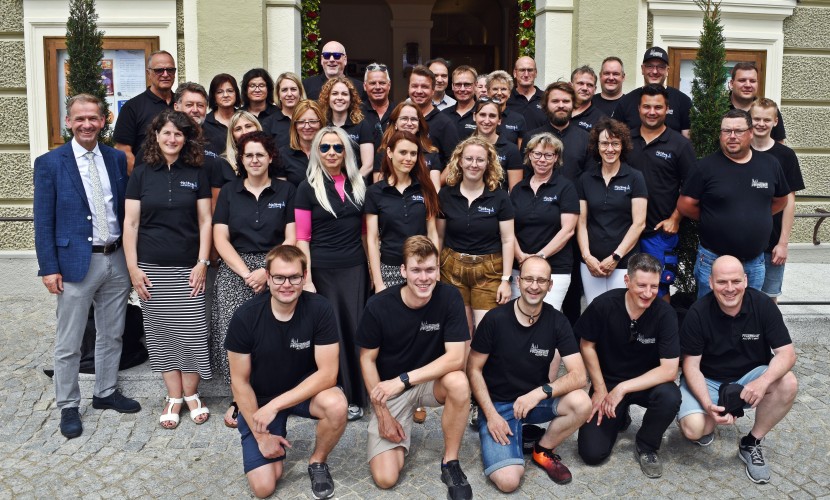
(79, 211)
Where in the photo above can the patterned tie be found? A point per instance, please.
(98, 198)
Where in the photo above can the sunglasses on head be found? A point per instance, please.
(338, 148)
(335, 55)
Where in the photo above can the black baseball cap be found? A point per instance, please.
(656, 53)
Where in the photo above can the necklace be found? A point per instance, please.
(531, 318)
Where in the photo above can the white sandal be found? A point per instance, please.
(199, 410)
(168, 415)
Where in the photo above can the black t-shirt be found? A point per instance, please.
(606, 323)
(588, 118)
(735, 202)
(220, 172)
(474, 227)
(532, 110)
(378, 123)
(666, 163)
(443, 134)
(730, 347)
(512, 126)
(314, 84)
(609, 208)
(539, 217)
(335, 241)
(509, 157)
(400, 215)
(778, 132)
(278, 126)
(792, 173)
(255, 225)
(134, 118)
(520, 356)
(407, 338)
(293, 165)
(575, 152)
(677, 117)
(605, 105)
(168, 231)
(465, 124)
(282, 352)
(216, 134)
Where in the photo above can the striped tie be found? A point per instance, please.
(98, 198)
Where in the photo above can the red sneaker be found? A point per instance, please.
(552, 463)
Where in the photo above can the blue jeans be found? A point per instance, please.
(495, 455)
(773, 277)
(690, 404)
(754, 269)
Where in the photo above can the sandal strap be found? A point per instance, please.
(194, 397)
(199, 410)
(169, 417)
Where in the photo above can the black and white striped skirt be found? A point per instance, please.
(174, 322)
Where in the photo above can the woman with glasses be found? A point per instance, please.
(487, 117)
(329, 216)
(167, 241)
(223, 99)
(258, 93)
(546, 206)
(289, 93)
(340, 103)
(612, 210)
(306, 121)
(475, 227)
(499, 87)
(253, 215)
(406, 117)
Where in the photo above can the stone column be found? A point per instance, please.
(554, 40)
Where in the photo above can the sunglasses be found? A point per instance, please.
(373, 67)
(335, 55)
(633, 331)
(490, 99)
(161, 71)
(338, 148)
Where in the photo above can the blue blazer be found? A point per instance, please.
(63, 220)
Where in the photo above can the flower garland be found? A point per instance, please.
(527, 32)
(311, 37)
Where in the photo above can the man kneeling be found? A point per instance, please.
(413, 341)
(283, 351)
(510, 371)
(726, 337)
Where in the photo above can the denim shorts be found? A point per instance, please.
(754, 269)
(661, 246)
(773, 277)
(495, 455)
(689, 403)
(251, 456)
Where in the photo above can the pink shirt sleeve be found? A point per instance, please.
(302, 218)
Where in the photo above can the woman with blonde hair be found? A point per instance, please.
(307, 120)
(340, 103)
(290, 91)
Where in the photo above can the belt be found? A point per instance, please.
(469, 258)
(107, 249)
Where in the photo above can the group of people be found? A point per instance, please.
(397, 257)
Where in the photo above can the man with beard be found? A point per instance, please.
(377, 108)
(333, 59)
(441, 69)
(743, 91)
(463, 85)
(442, 131)
(585, 114)
(526, 98)
(611, 79)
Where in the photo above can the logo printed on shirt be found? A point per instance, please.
(502, 158)
(469, 126)
(512, 127)
(538, 106)
(550, 199)
(354, 137)
(669, 111)
(645, 340)
(662, 154)
(534, 349)
(486, 210)
(417, 197)
(280, 204)
(299, 346)
(189, 184)
(624, 189)
(584, 124)
(759, 184)
(430, 327)
(750, 336)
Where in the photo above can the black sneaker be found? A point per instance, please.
(456, 481)
(757, 469)
(116, 401)
(71, 426)
(322, 485)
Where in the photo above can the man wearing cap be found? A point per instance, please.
(333, 59)
(729, 336)
(655, 69)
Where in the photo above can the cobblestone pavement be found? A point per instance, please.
(129, 456)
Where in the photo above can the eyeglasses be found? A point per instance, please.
(525, 70)
(278, 279)
(306, 123)
(633, 331)
(161, 71)
(251, 156)
(538, 155)
(335, 55)
(612, 145)
(257, 86)
(726, 132)
(655, 67)
(338, 148)
(369, 68)
(462, 85)
(529, 280)
(475, 161)
(407, 119)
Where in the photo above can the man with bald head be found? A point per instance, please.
(729, 336)
(526, 97)
(333, 60)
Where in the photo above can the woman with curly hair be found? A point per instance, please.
(407, 117)
(612, 210)
(290, 92)
(475, 227)
(167, 240)
(305, 123)
(340, 103)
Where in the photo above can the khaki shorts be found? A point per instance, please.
(401, 407)
(477, 277)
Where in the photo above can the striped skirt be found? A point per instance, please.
(174, 322)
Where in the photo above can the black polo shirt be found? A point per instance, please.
(265, 113)
(792, 173)
(282, 352)
(735, 202)
(677, 117)
(215, 133)
(408, 338)
(605, 105)
(609, 208)
(666, 163)
(539, 217)
(278, 126)
(443, 134)
(220, 172)
(465, 124)
(168, 231)
(532, 110)
(575, 152)
(606, 323)
(314, 84)
(335, 241)
(134, 118)
(474, 227)
(400, 215)
(778, 132)
(519, 356)
(255, 225)
(588, 118)
(359, 133)
(378, 123)
(730, 347)
(509, 157)
(512, 126)
(293, 165)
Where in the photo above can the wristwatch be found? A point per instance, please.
(548, 390)
(205, 262)
(405, 379)
(506, 278)
(616, 257)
